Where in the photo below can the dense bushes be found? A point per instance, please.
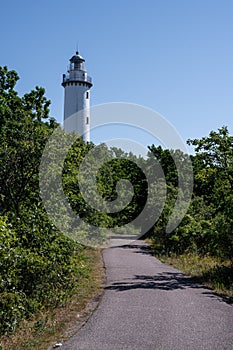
(39, 267)
(36, 276)
(207, 228)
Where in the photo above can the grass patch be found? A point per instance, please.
(52, 325)
(210, 271)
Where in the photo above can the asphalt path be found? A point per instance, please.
(149, 305)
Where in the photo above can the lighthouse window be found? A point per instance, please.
(87, 94)
(87, 121)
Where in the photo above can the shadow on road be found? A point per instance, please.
(139, 249)
(167, 281)
(163, 280)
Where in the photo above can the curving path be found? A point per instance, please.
(148, 305)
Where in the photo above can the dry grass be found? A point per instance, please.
(210, 271)
(55, 325)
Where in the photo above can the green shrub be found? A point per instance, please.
(12, 310)
(32, 278)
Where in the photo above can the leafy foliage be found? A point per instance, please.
(207, 227)
(38, 266)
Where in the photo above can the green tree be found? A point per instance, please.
(23, 137)
(213, 165)
(38, 265)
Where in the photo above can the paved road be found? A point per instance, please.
(148, 305)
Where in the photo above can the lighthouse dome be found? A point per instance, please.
(77, 58)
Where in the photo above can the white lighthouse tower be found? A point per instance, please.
(77, 86)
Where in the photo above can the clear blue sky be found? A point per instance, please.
(174, 56)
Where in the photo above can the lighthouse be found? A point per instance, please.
(77, 85)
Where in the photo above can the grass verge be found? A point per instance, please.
(54, 325)
(210, 271)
